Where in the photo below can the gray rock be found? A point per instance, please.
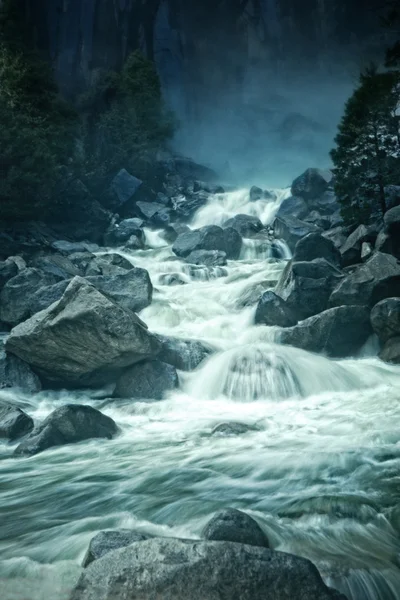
(186, 206)
(388, 243)
(317, 219)
(390, 352)
(124, 186)
(58, 265)
(291, 230)
(366, 251)
(313, 246)
(245, 225)
(184, 355)
(8, 270)
(172, 569)
(385, 319)
(108, 265)
(272, 310)
(71, 247)
(312, 184)
(337, 332)
(351, 249)
(47, 295)
(377, 279)
(148, 380)
(15, 372)
(81, 334)
(107, 541)
(233, 428)
(211, 237)
(209, 258)
(14, 422)
(154, 213)
(173, 230)
(120, 233)
(132, 289)
(252, 295)
(392, 220)
(231, 525)
(293, 207)
(256, 193)
(307, 286)
(337, 235)
(16, 295)
(68, 424)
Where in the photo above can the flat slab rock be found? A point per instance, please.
(173, 569)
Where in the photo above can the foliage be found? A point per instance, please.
(367, 153)
(36, 126)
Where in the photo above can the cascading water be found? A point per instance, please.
(319, 467)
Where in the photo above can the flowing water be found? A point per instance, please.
(320, 470)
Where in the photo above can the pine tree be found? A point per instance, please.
(367, 153)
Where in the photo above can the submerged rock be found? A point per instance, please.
(338, 332)
(173, 569)
(107, 541)
(68, 425)
(82, 335)
(184, 355)
(147, 380)
(14, 422)
(233, 428)
(209, 258)
(231, 525)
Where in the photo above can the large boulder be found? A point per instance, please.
(337, 332)
(272, 310)
(107, 541)
(132, 289)
(56, 264)
(351, 249)
(15, 372)
(313, 246)
(291, 230)
(390, 352)
(385, 319)
(307, 286)
(245, 225)
(47, 295)
(14, 422)
(312, 184)
(173, 569)
(119, 234)
(375, 280)
(124, 186)
(16, 295)
(231, 525)
(209, 258)
(392, 220)
(108, 265)
(147, 380)
(184, 355)
(154, 213)
(211, 237)
(83, 334)
(293, 206)
(68, 424)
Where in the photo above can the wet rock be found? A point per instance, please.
(390, 352)
(107, 541)
(16, 295)
(119, 234)
(272, 310)
(184, 355)
(173, 230)
(312, 184)
(154, 213)
(209, 258)
(291, 230)
(307, 286)
(256, 193)
(132, 290)
(147, 380)
(15, 372)
(196, 570)
(108, 265)
(293, 207)
(231, 525)
(82, 334)
(211, 237)
(124, 186)
(385, 319)
(351, 249)
(314, 246)
(69, 424)
(172, 279)
(186, 206)
(375, 280)
(14, 422)
(8, 270)
(337, 332)
(233, 428)
(245, 225)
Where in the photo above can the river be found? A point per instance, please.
(320, 471)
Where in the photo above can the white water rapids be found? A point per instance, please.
(320, 472)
